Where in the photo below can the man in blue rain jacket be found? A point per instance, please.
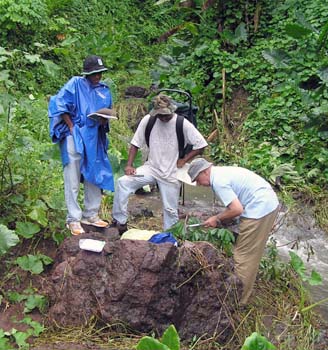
(83, 142)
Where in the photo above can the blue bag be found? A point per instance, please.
(163, 237)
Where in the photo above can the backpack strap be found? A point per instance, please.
(180, 136)
(179, 131)
(149, 127)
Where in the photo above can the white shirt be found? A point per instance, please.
(254, 193)
(163, 146)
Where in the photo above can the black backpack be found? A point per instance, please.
(184, 110)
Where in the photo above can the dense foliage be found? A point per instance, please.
(257, 70)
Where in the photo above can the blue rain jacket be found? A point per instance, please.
(79, 98)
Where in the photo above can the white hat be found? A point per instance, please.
(182, 175)
(198, 165)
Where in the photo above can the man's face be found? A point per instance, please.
(164, 117)
(203, 179)
(94, 78)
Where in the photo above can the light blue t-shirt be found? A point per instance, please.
(254, 193)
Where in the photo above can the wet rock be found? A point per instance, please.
(146, 287)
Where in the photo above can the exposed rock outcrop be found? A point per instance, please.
(145, 286)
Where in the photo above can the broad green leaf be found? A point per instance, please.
(283, 170)
(35, 301)
(297, 31)
(45, 259)
(171, 338)
(302, 21)
(165, 61)
(241, 32)
(4, 75)
(27, 229)
(20, 338)
(3, 51)
(313, 173)
(31, 263)
(4, 345)
(39, 213)
(315, 278)
(16, 297)
(181, 42)
(17, 199)
(323, 109)
(55, 200)
(257, 342)
(58, 237)
(149, 343)
(278, 58)
(32, 58)
(323, 74)
(8, 239)
(38, 328)
(51, 68)
(297, 264)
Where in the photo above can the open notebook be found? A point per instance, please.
(96, 116)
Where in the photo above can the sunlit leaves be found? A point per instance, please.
(169, 341)
(32, 58)
(149, 343)
(279, 58)
(323, 74)
(257, 342)
(8, 239)
(299, 267)
(171, 338)
(285, 170)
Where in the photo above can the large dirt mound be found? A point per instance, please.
(145, 286)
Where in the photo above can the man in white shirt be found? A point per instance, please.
(249, 196)
(161, 165)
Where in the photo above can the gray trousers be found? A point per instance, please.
(127, 185)
(72, 176)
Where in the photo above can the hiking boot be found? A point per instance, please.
(120, 227)
(75, 228)
(95, 221)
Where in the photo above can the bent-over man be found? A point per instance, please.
(249, 196)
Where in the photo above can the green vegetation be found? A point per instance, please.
(169, 341)
(258, 70)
